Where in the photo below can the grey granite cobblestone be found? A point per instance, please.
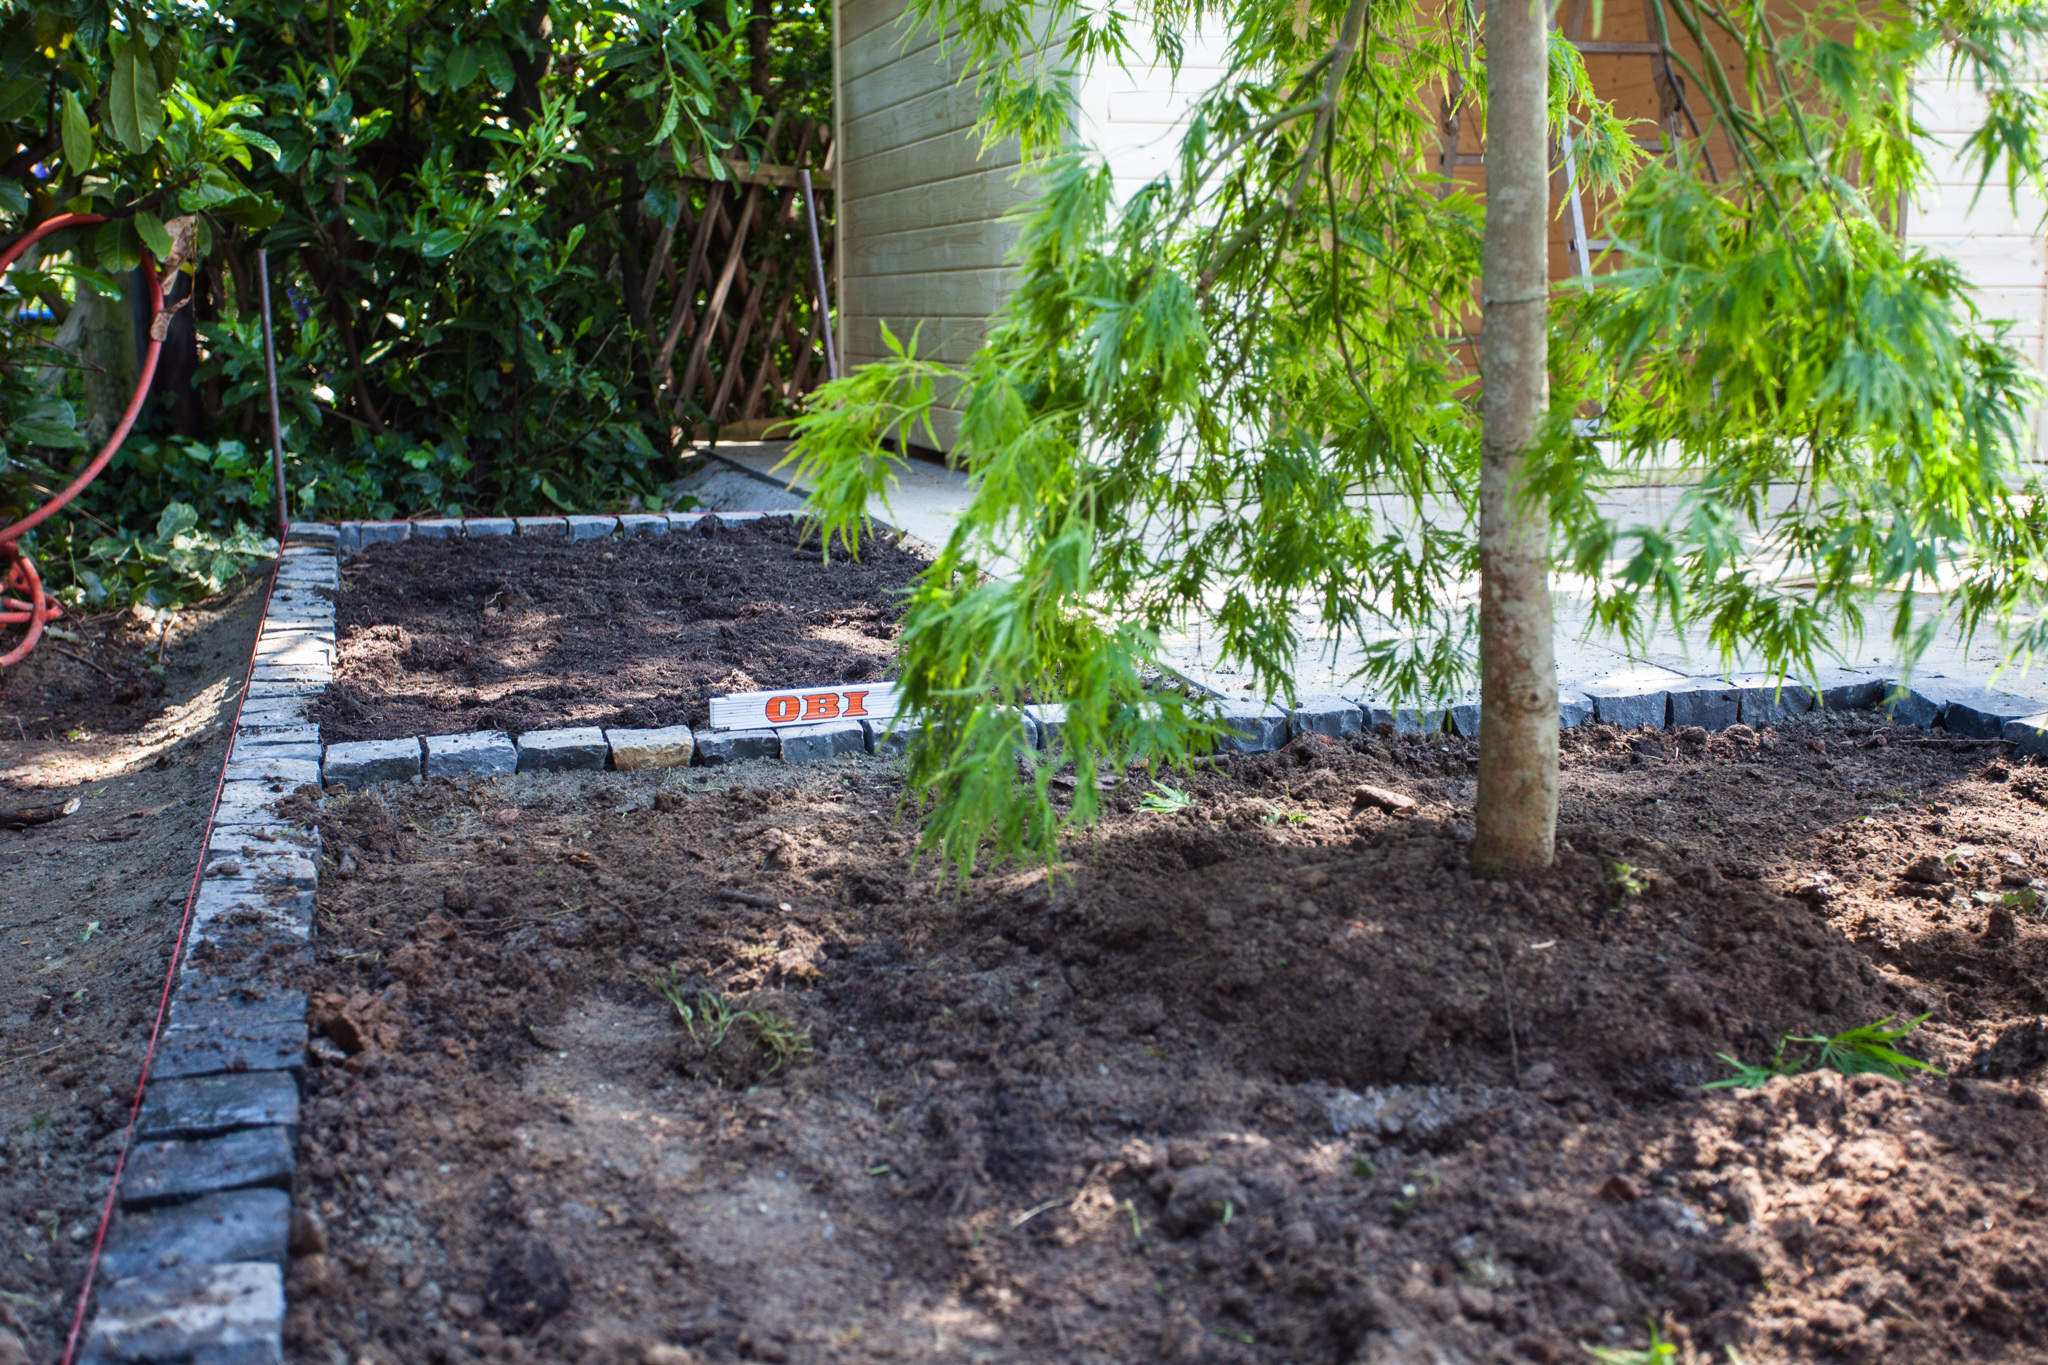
(311, 533)
(643, 524)
(372, 760)
(227, 841)
(489, 526)
(1255, 727)
(1706, 702)
(210, 1002)
(266, 765)
(591, 528)
(214, 1229)
(290, 741)
(437, 528)
(1463, 717)
(1976, 712)
(1638, 697)
(228, 1314)
(184, 1168)
(479, 753)
(553, 527)
(370, 533)
(1325, 713)
(716, 747)
(205, 1106)
(893, 736)
(827, 739)
(227, 1043)
(1767, 701)
(575, 748)
(1049, 718)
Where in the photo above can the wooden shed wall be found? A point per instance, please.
(2001, 250)
(922, 241)
(921, 204)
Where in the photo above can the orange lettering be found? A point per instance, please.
(856, 704)
(781, 709)
(821, 705)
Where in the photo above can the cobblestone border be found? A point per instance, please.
(195, 1263)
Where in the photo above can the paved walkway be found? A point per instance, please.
(929, 497)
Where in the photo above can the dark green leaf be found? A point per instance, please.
(77, 135)
(135, 104)
(461, 67)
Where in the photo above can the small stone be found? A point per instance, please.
(1381, 799)
(2000, 926)
(1927, 870)
(1834, 1318)
(309, 1233)
(526, 1285)
(1478, 1303)
(1300, 1236)
(1623, 1189)
(1199, 1197)
(464, 1306)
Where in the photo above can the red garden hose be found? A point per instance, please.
(33, 607)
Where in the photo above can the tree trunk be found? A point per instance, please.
(108, 348)
(1516, 820)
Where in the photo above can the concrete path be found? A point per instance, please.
(930, 496)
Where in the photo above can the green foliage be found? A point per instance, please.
(1867, 1049)
(1165, 799)
(168, 564)
(1247, 393)
(462, 205)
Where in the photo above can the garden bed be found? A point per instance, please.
(1269, 1078)
(520, 632)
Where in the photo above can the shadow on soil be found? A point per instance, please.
(1269, 1078)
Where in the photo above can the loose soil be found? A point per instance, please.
(516, 633)
(1271, 1078)
(89, 909)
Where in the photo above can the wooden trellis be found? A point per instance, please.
(743, 339)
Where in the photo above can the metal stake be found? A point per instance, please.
(270, 376)
(818, 265)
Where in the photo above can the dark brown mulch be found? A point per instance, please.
(1271, 1079)
(96, 675)
(515, 633)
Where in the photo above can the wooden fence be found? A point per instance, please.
(743, 340)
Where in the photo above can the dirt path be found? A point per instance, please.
(1270, 1079)
(88, 914)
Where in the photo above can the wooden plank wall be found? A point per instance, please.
(2002, 250)
(921, 205)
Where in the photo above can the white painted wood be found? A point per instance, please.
(805, 706)
(1999, 245)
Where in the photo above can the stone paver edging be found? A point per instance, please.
(194, 1266)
